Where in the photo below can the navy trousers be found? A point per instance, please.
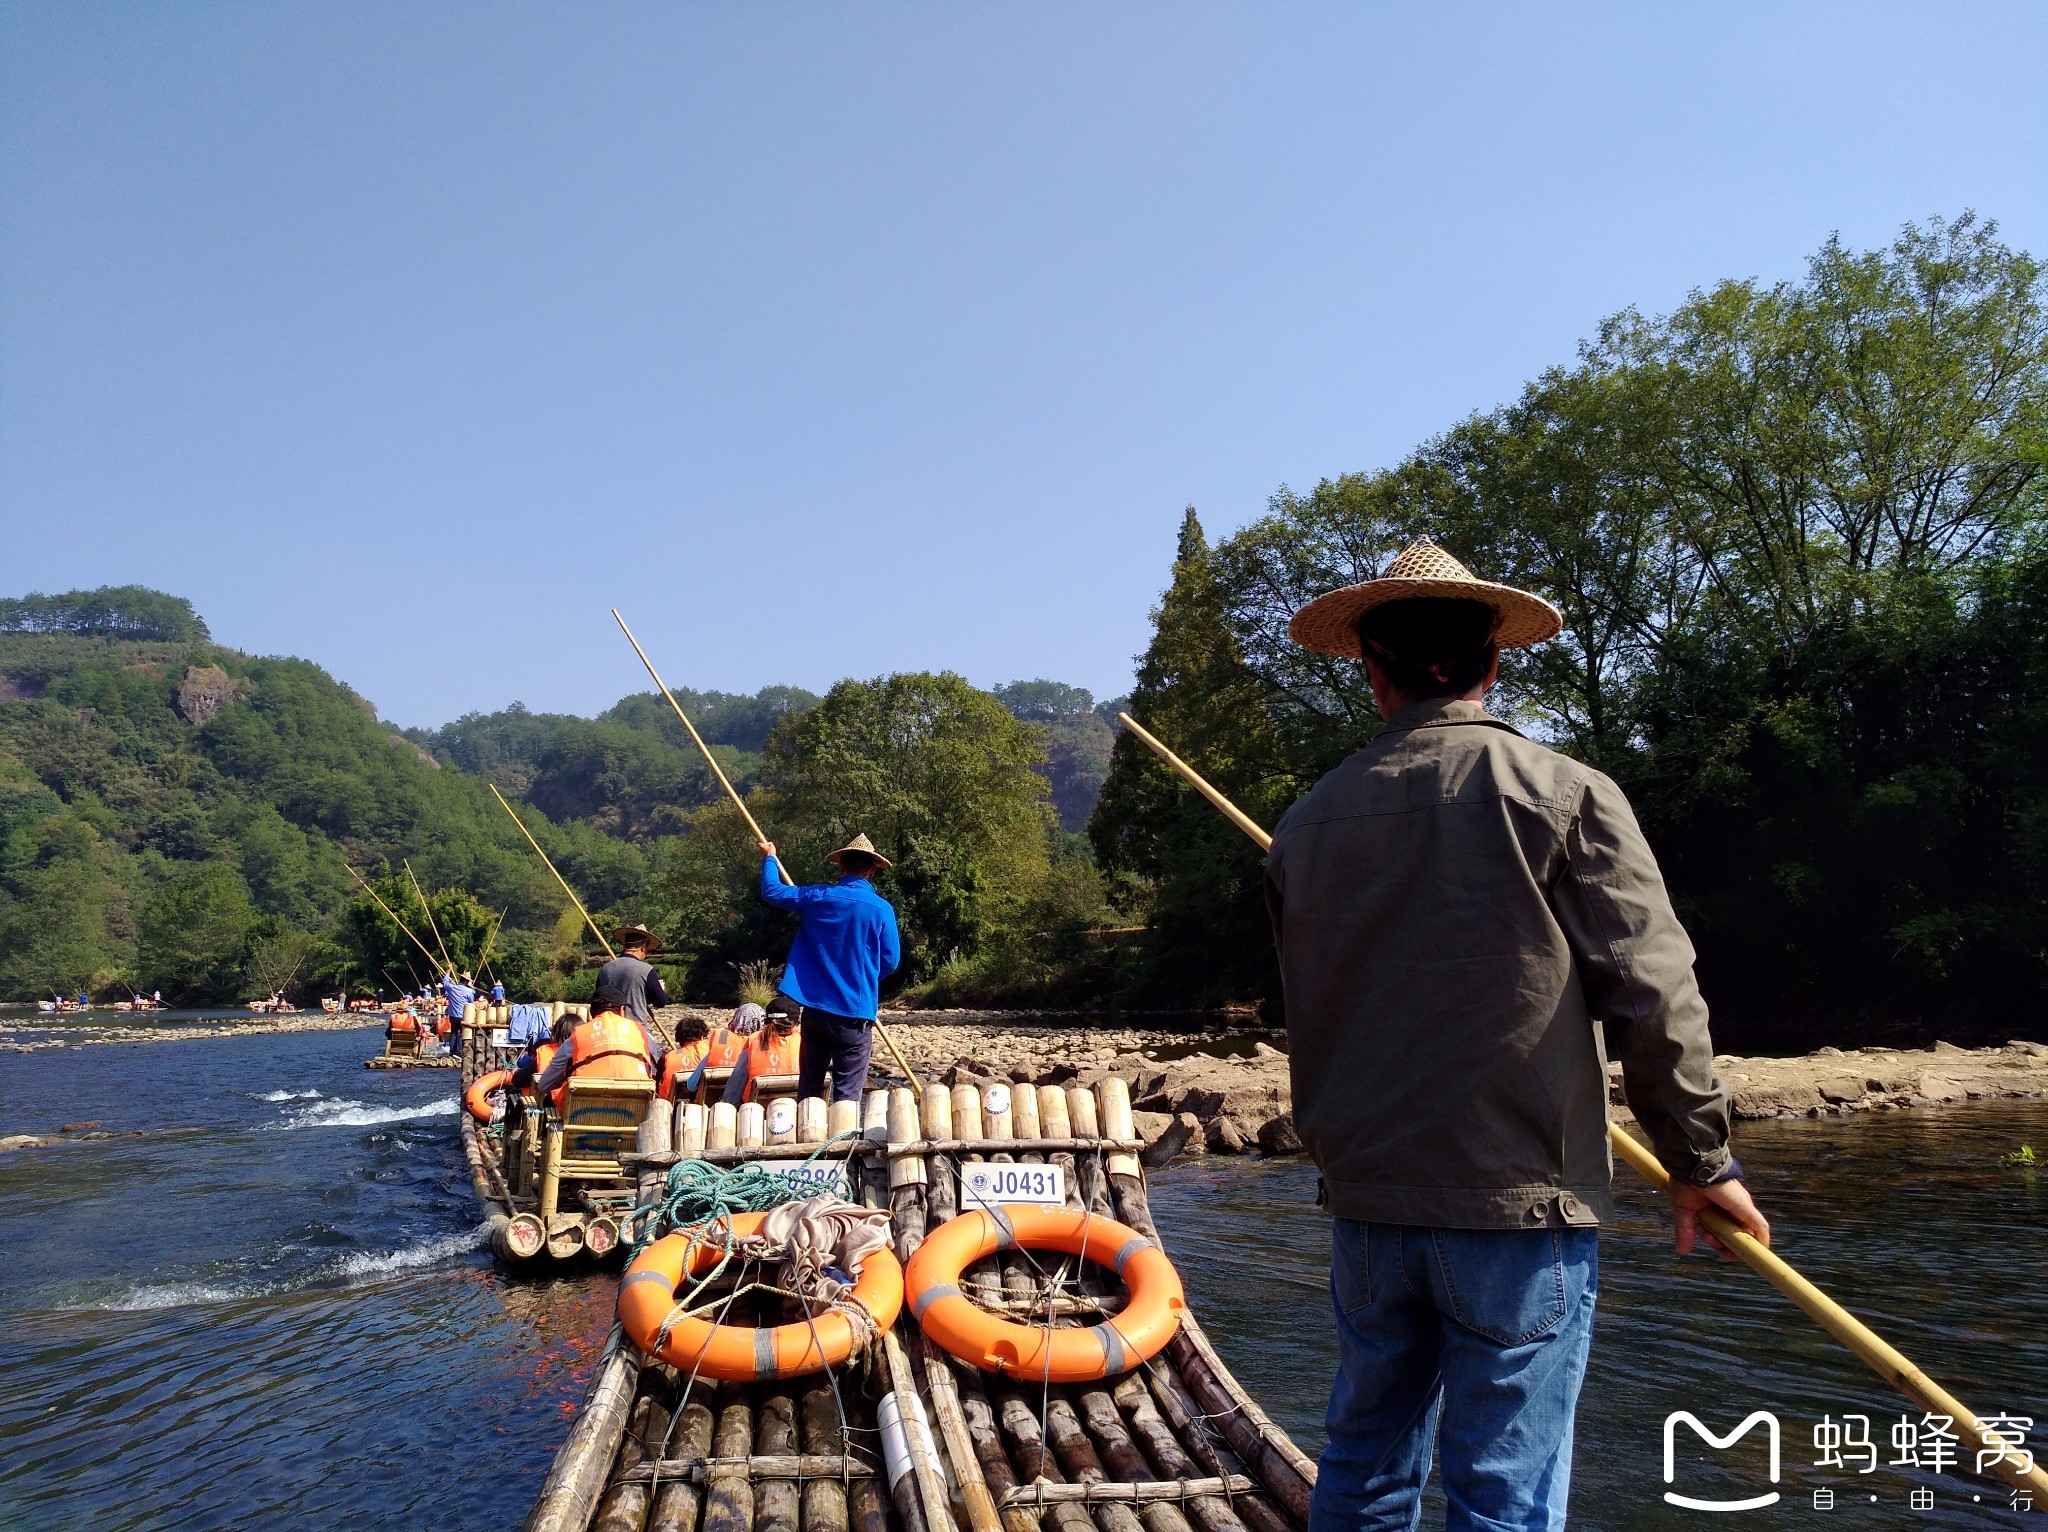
(841, 1044)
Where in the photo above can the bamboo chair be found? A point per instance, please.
(600, 1121)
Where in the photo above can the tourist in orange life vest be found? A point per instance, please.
(774, 1050)
(693, 1045)
(541, 1054)
(722, 1050)
(611, 1045)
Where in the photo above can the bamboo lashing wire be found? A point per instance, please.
(741, 804)
(448, 963)
(393, 914)
(1881, 1358)
(551, 868)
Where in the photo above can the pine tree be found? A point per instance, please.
(1194, 876)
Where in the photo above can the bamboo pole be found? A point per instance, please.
(551, 868)
(745, 813)
(448, 963)
(393, 914)
(483, 962)
(1871, 1349)
(1881, 1358)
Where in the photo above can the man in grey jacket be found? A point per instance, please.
(1467, 923)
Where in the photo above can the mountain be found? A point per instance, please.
(175, 813)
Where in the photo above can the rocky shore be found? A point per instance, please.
(86, 1034)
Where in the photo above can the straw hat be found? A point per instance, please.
(1330, 623)
(863, 845)
(636, 936)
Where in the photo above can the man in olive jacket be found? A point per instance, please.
(1467, 922)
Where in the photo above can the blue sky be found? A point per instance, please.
(830, 340)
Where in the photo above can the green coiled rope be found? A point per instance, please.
(698, 1192)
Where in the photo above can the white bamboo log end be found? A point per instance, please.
(874, 1116)
(725, 1126)
(1113, 1107)
(995, 1112)
(753, 1125)
(690, 1136)
(905, 1170)
(842, 1117)
(1081, 1112)
(1052, 1113)
(938, 1112)
(657, 1128)
(810, 1120)
(1024, 1112)
(966, 1111)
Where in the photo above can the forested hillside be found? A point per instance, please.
(1797, 535)
(175, 815)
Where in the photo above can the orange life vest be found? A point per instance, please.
(401, 1021)
(543, 1055)
(607, 1047)
(679, 1063)
(723, 1048)
(768, 1055)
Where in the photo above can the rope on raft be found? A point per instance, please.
(703, 1198)
(697, 1193)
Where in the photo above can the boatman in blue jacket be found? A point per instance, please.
(845, 947)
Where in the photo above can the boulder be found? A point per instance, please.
(1227, 1135)
(1933, 1087)
(19, 1141)
(1277, 1135)
(1757, 1101)
(1180, 1135)
(1149, 1125)
(1840, 1088)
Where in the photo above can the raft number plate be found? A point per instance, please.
(818, 1175)
(1040, 1185)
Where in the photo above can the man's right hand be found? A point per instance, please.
(767, 849)
(1730, 1197)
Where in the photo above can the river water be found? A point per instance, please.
(262, 1301)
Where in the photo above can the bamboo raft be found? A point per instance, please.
(1174, 1445)
(535, 1216)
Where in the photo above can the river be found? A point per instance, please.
(262, 1301)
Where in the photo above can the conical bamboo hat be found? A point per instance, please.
(1330, 623)
(861, 844)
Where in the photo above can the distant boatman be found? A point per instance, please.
(846, 946)
(1465, 919)
(633, 976)
(461, 994)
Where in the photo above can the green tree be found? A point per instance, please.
(194, 935)
(940, 776)
(1191, 873)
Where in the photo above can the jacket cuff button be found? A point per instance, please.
(1539, 1210)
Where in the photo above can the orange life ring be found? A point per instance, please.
(477, 1097)
(1119, 1343)
(741, 1353)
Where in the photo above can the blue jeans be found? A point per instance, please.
(1477, 1335)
